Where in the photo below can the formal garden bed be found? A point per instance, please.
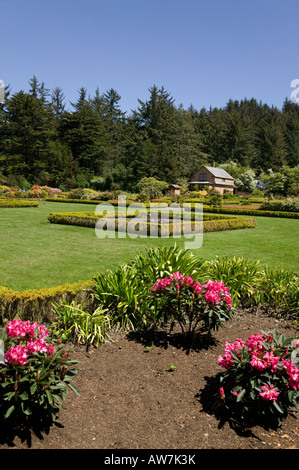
(131, 397)
(149, 359)
(148, 222)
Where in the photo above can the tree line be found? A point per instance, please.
(96, 144)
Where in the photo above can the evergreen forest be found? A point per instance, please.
(93, 143)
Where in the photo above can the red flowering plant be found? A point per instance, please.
(261, 378)
(34, 373)
(194, 306)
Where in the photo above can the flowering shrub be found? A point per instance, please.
(34, 373)
(43, 191)
(261, 378)
(191, 304)
(10, 192)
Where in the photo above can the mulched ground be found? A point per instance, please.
(131, 399)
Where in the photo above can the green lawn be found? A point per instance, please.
(37, 254)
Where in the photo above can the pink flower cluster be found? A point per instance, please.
(179, 280)
(261, 359)
(16, 355)
(269, 393)
(293, 373)
(34, 336)
(214, 292)
(17, 328)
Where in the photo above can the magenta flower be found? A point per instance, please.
(226, 362)
(269, 393)
(271, 360)
(293, 373)
(257, 363)
(39, 345)
(18, 327)
(16, 355)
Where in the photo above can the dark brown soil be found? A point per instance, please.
(130, 399)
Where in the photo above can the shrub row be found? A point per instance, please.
(90, 220)
(121, 214)
(285, 206)
(36, 305)
(114, 202)
(17, 203)
(258, 212)
(219, 210)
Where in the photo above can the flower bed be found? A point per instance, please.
(85, 219)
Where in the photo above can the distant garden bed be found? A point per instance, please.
(123, 222)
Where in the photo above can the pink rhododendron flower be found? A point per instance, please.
(271, 360)
(18, 327)
(16, 355)
(197, 287)
(39, 345)
(221, 393)
(216, 292)
(51, 350)
(269, 393)
(254, 342)
(293, 373)
(177, 275)
(226, 362)
(257, 363)
(15, 328)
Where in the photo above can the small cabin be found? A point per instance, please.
(211, 177)
(173, 190)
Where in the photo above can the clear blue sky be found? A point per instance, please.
(202, 52)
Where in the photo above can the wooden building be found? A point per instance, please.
(211, 177)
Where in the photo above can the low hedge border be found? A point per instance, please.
(36, 305)
(222, 210)
(87, 201)
(122, 214)
(208, 208)
(17, 203)
(145, 227)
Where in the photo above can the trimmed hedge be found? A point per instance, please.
(255, 212)
(281, 206)
(90, 219)
(114, 202)
(36, 305)
(18, 203)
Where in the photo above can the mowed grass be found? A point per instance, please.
(35, 254)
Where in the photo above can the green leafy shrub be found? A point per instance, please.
(34, 373)
(83, 193)
(254, 286)
(76, 324)
(279, 289)
(121, 293)
(261, 378)
(289, 205)
(163, 262)
(244, 277)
